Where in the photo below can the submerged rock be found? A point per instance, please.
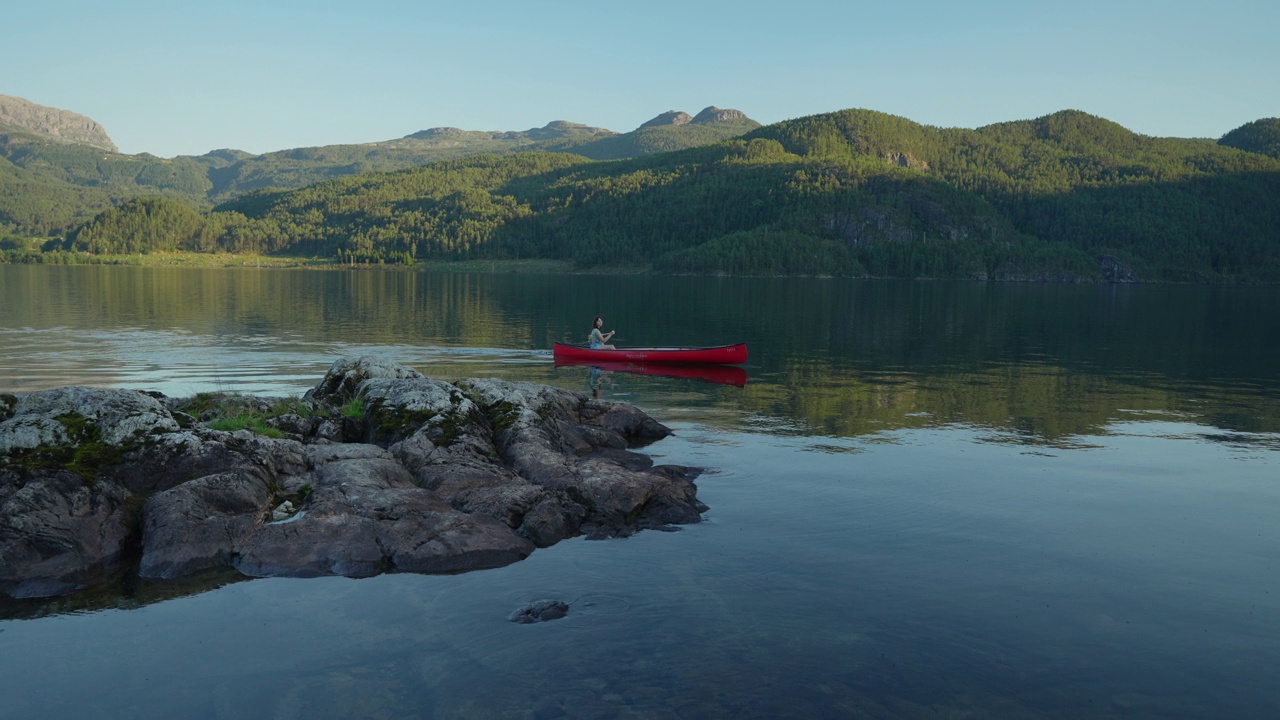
(433, 477)
(540, 611)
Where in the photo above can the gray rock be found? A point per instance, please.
(670, 117)
(57, 532)
(367, 516)
(321, 454)
(345, 375)
(712, 113)
(53, 123)
(445, 478)
(329, 431)
(193, 526)
(76, 415)
(294, 425)
(175, 458)
(540, 611)
(544, 430)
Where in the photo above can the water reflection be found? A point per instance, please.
(931, 500)
(840, 359)
(945, 577)
(723, 374)
(1035, 363)
(120, 591)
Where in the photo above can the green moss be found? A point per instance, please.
(353, 409)
(91, 458)
(232, 413)
(84, 454)
(446, 431)
(43, 457)
(398, 423)
(76, 425)
(7, 404)
(250, 421)
(291, 406)
(201, 403)
(502, 415)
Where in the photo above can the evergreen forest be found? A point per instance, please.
(858, 193)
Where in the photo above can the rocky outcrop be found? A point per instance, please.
(378, 469)
(714, 114)
(906, 160)
(52, 123)
(540, 611)
(709, 114)
(437, 133)
(670, 117)
(1116, 271)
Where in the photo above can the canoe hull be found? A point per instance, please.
(725, 355)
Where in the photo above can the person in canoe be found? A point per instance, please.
(598, 339)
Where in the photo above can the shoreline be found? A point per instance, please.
(508, 266)
(233, 260)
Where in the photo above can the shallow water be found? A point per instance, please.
(930, 500)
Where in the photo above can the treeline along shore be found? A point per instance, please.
(857, 193)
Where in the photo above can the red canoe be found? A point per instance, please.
(724, 374)
(726, 355)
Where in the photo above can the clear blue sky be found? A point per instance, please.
(183, 77)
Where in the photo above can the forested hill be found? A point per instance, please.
(668, 132)
(1260, 136)
(306, 166)
(58, 148)
(1180, 209)
(1064, 197)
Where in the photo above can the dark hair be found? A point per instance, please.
(598, 319)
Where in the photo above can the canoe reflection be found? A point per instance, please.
(724, 374)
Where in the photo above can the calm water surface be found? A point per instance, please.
(930, 500)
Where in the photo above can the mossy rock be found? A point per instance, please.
(84, 452)
(7, 404)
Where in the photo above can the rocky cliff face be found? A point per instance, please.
(670, 117)
(52, 123)
(715, 114)
(709, 114)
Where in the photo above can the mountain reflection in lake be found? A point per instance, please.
(930, 500)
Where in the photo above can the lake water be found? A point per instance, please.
(929, 500)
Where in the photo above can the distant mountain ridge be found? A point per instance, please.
(707, 115)
(668, 132)
(1064, 197)
(52, 123)
(61, 146)
(554, 130)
